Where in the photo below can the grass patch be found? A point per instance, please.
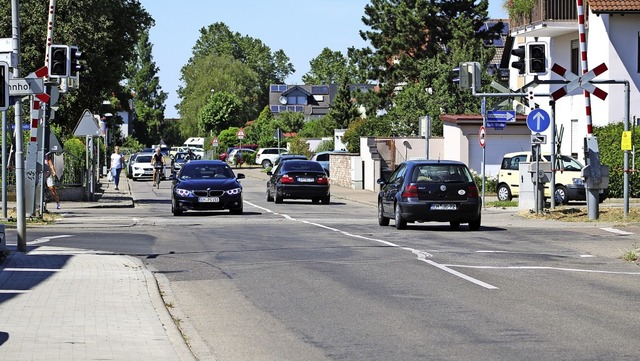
(501, 204)
(581, 214)
(47, 218)
(630, 256)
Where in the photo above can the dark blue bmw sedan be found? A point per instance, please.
(429, 190)
(206, 185)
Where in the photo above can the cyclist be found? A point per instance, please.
(157, 161)
(190, 155)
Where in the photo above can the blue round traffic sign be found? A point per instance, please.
(538, 120)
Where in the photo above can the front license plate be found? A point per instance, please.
(443, 207)
(208, 199)
(306, 180)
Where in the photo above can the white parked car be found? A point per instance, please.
(266, 157)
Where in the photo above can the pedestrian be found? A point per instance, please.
(117, 163)
(50, 172)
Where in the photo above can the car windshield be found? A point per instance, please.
(143, 159)
(441, 173)
(207, 171)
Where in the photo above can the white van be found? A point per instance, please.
(194, 142)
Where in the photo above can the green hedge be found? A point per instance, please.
(611, 154)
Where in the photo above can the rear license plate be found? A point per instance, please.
(306, 180)
(208, 199)
(443, 207)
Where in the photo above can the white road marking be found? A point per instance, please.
(421, 255)
(617, 231)
(543, 268)
(47, 239)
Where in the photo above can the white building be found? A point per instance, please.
(612, 37)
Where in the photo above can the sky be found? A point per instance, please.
(300, 28)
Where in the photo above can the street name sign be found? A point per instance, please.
(501, 116)
(26, 86)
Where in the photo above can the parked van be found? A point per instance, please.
(569, 181)
(194, 142)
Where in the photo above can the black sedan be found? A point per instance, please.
(206, 185)
(430, 190)
(298, 179)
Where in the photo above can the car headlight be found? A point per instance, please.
(578, 181)
(234, 191)
(184, 192)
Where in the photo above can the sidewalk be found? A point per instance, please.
(69, 304)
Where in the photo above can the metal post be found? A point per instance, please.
(21, 225)
(626, 152)
(484, 125)
(4, 164)
(552, 186)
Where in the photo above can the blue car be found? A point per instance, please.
(430, 191)
(206, 185)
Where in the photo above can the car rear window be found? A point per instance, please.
(296, 166)
(441, 173)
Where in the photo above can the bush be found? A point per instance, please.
(611, 155)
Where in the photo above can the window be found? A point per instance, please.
(320, 89)
(274, 108)
(297, 99)
(277, 88)
(575, 57)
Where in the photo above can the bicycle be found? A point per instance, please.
(157, 175)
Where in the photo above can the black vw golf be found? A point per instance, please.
(430, 190)
(206, 185)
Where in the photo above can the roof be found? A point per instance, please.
(614, 6)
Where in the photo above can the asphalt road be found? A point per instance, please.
(302, 281)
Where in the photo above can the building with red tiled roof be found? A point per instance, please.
(614, 6)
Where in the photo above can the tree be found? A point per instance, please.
(418, 42)
(216, 42)
(375, 127)
(144, 83)
(318, 128)
(106, 31)
(216, 73)
(221, 112)
(327, 68)
(263, 129)
(409, 106)
(343, 110)
(290, 121)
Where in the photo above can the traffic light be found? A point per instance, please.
(58, 61)
(75, 55)
(519, 64)
(4, 86)
(462, 77)
(537, 53)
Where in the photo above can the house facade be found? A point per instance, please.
(313, 101)
(612, 29)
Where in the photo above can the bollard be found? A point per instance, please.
(3, 240)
